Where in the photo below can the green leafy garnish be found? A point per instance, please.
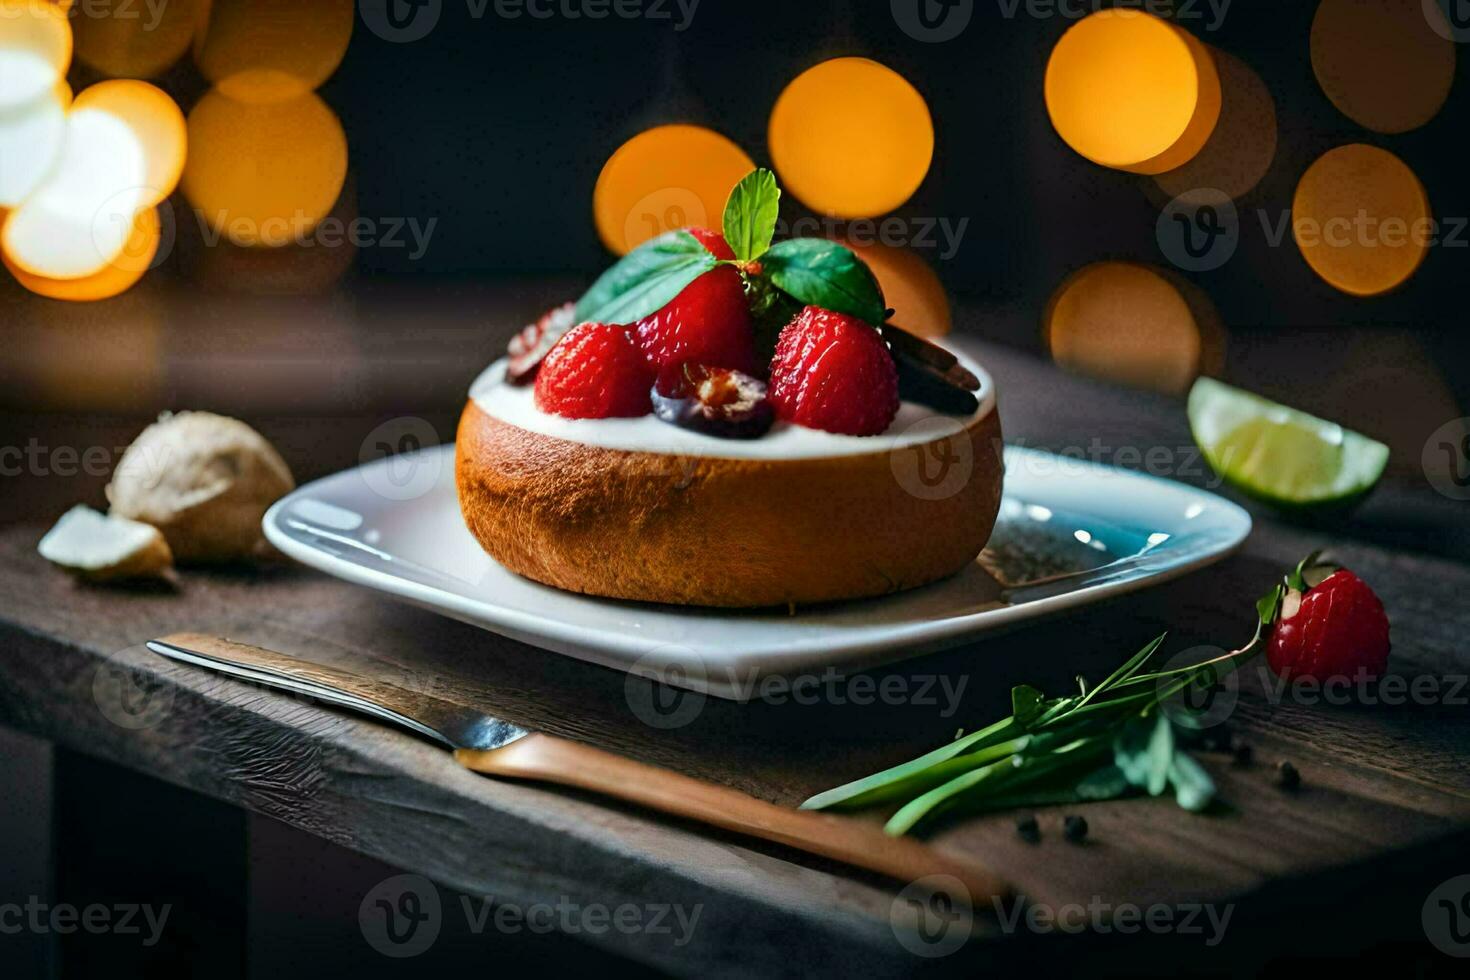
(817, 272)
(802, 271)
(751, 213)
(646, 279)
(1104, 742)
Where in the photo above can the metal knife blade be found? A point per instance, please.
(453, 724)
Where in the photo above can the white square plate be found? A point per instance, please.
(1070, 533)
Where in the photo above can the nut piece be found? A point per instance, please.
(100, 548)
(205, 481)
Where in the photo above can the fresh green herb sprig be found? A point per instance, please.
(1101, 743)
(806, 270)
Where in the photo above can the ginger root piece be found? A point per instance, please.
(205, 481)
(100, 548)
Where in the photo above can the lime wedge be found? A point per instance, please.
(1278, 454)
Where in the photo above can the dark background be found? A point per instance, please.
(499, 128)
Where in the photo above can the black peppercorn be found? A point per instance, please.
(1029, 830)
(1289, 777)
(1074, 828)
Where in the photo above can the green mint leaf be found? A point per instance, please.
(817, 272)
(1160, 755)
(1106, 783)
(1193, 788)
(646, 279)
(751, 213)
(1130, 751)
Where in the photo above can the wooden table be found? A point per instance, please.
(1340, 865)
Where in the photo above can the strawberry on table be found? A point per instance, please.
(1337, 628)
(595, 371)
(834, 372)
(708, 323)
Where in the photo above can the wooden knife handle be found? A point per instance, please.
(547, 759)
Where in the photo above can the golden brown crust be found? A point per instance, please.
(726, 532)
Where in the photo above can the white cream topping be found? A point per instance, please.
(914, 425)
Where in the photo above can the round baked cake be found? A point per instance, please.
(635, 508)
(727, 420)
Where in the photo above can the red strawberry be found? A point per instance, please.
(834, 372)
(1338, 630)
(529, 348)
(708, 323)
(595, 371)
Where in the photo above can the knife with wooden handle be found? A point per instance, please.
(495, 747)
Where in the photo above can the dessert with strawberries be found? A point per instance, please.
(722, 421)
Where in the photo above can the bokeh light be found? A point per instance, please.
(35, 50)
(117, 276)
(264, 174)
(82, 214)
(1361, 219)
(1382, 62)
(665, 178)
(1240, 150)
(272, 50)
(157, 124)
(851, 138)
(30, 143)
(1124, 323)
(141, 46)
(1130, 91)
(910, 287)
(308, 268)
